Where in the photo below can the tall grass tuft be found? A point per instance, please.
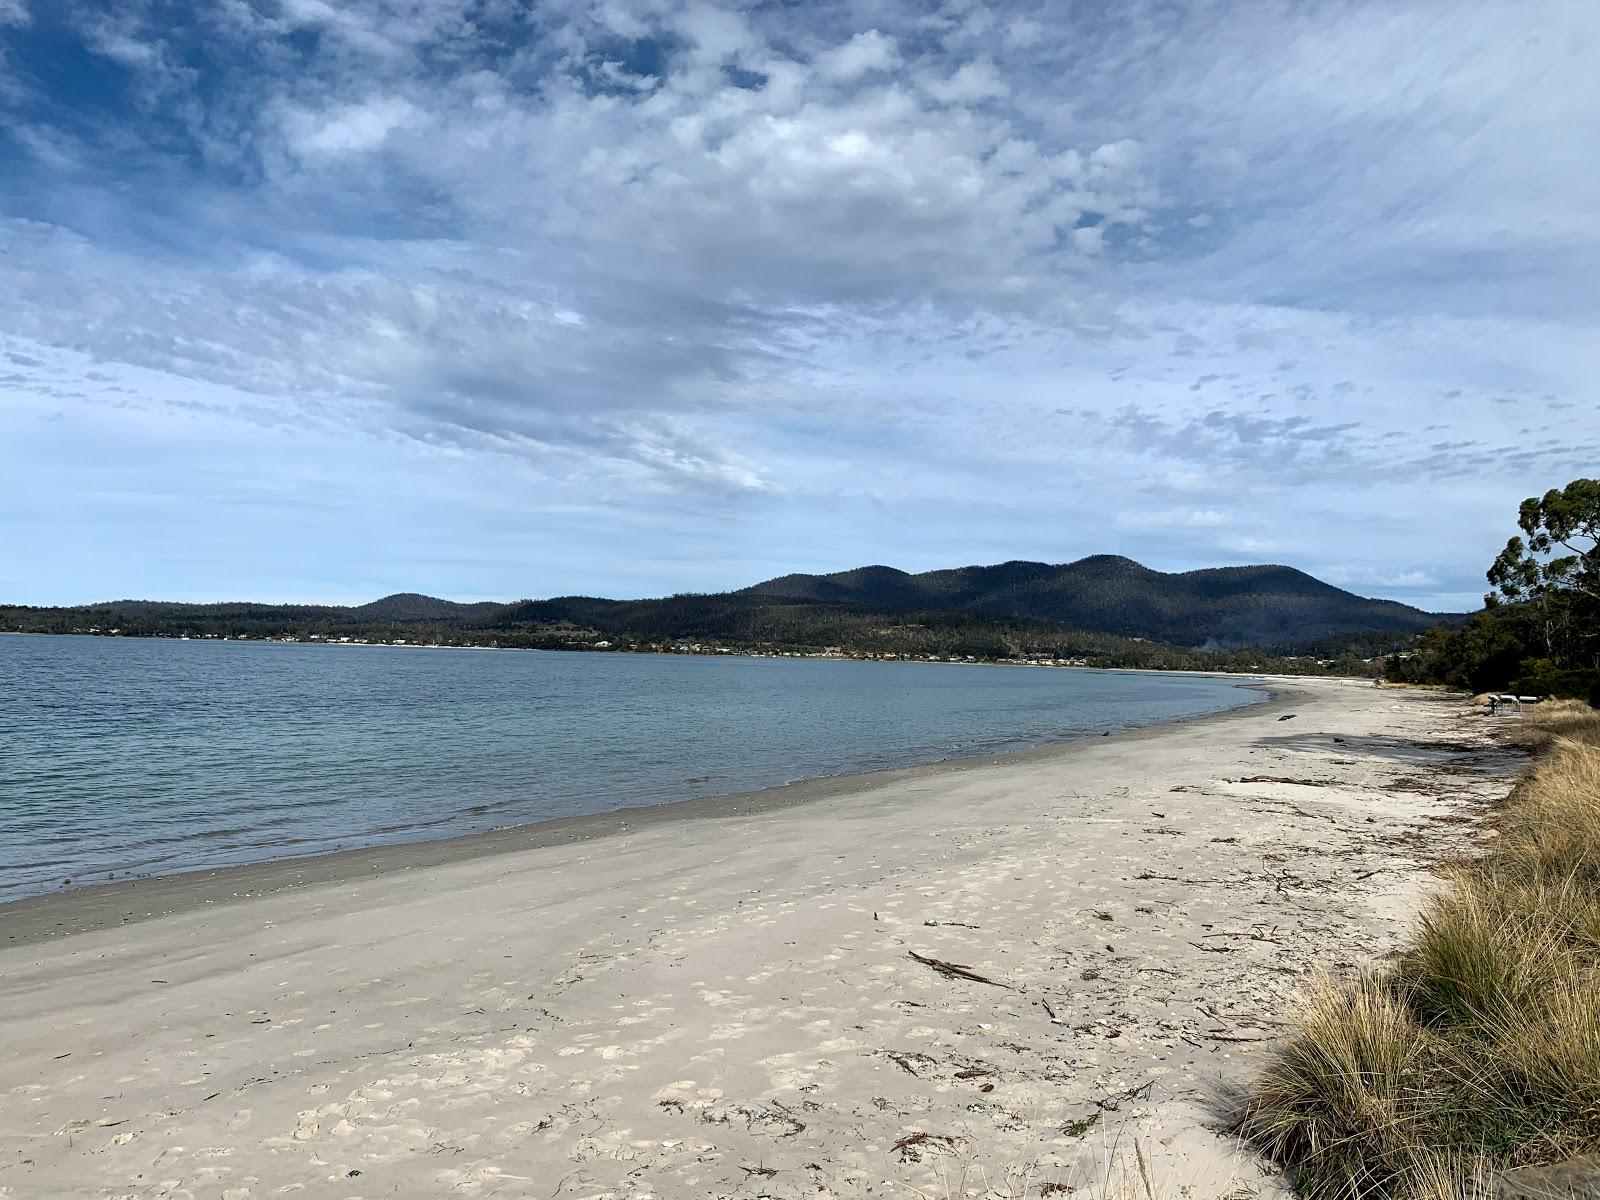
(1479, 1048)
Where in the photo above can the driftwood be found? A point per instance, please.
(957, 971)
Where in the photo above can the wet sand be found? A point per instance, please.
(749, 996)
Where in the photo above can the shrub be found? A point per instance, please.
(1480, 1048)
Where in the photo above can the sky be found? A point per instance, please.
(307, 300)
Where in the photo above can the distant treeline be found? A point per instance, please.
(1539, 633)
(737, 622)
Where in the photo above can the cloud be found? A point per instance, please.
(865, 52)
(971, 81)
(347, 129)
(1357, 576)
(1172, 518)
(819, 268)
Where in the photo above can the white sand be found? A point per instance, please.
(727, 1007)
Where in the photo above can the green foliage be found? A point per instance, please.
(1540, 631)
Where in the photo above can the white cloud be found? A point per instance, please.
(1090, 239)
(1350, 575)
(972, 81)
(865, 52)
(347, 128)
(818, 269)
(717, 34)
(1172, 518)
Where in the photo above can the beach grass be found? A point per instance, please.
(1478, 1048)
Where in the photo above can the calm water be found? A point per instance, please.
(128, 756)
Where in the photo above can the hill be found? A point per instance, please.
(1221, 606)
(410, 606)
(1106, 609)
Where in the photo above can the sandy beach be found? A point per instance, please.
(1006, 977)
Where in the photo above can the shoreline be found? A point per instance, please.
(909, 659)
(1016, 971)
(93, 907)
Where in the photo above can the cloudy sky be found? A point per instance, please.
(323, 299)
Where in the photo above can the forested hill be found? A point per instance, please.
(402, 606)
(1097, 606)
(1228, 606)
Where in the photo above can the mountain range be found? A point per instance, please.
(988, 607)
(1107, 593)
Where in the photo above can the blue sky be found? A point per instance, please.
(305, 300)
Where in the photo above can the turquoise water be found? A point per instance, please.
(121, 757)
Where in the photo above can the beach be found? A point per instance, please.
(1008, 977)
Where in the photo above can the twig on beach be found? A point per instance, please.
(568, 1177)
(1234, 1037)
(957, 971)
(1255, 935)
(1284, 779)
(1177, 878)
(795, 1125)
(1113, 1102)
(1287, 879)
(1215, 949)
(919, 1138)
(904, 1060)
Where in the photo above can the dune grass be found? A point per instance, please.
(1479, 1048)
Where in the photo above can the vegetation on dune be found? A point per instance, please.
(1539, 633)
(1478, 1049)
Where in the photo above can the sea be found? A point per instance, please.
(122, 757)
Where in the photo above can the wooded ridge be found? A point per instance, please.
(1104, 609)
